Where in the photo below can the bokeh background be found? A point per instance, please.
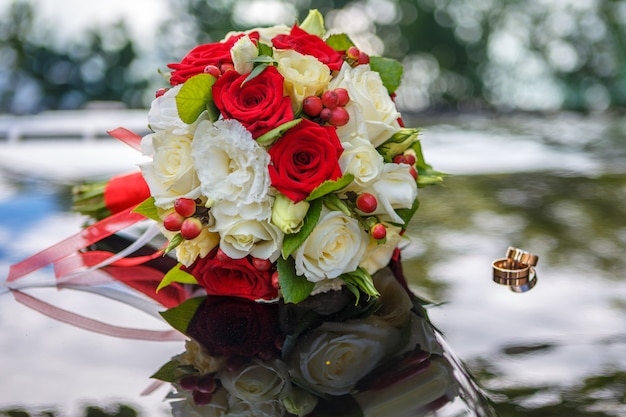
(520, 101)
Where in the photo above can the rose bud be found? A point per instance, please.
(287, 215)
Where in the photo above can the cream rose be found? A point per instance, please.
(188, 408)
(170, 174)
(240, 408)
(395, 189)
(197, 356)
(287, 215)
(189, 250)
(331, 358)
(265, 34)
(163, 113)
(259, 381)
(242, 235)
(304, 75)
(231, 166)
(242, 53)
(377, 255)
(300, 402)
(335, 246)
(372, 112)
(362, 160)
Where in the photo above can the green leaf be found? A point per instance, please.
(333, 202)
(179, 317)
(148, 209)
(196, 96)
(314, 23)
(265, 50)
(176, 275)
(390, 71)
(291, 242)
(256, 71)
(175, 241)
(330, 186)
(407, 214)
(268, 138)
(398, 143)
(426, 175)
(173, 371)
(362, 280)
(295, 288)
(339, 42)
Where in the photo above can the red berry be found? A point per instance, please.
(160, 92)
(221, 256)
(410, 159)
(399, 159)
(226, 67)
(312, 105)
(261, 264)
(366, 202)
(206, 383)
(189, 382)
(330, 99)
(378, 231)
(212, 70)
(275, 282)
(413, 172)
(191, 228)
(326, 114)
(173, 222)
(202, 398)
(342, 96)
(353, 52)
(339, 116)
(186, 207)
(364, 58)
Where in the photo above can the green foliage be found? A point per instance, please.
(390, 71)
(291, 242)
(195, 96)
(176, 275)
(148, 209)
(295, 288)
(179, 317)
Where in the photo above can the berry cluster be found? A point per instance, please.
(329, 107)
(408, 159)
(183, 219)
(356, 57)
(201, 387)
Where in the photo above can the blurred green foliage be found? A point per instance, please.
(461, 55)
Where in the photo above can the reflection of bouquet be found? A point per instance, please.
(282, 179)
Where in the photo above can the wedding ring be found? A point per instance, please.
(527, 286)
(509, 272)
(522, 256)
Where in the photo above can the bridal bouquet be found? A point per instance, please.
(282, 180)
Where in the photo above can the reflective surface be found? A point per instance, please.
(553, 186)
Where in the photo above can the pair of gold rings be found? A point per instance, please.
(516, 270)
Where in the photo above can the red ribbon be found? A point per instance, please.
(80, 240)
(125, 191)
(124, 135)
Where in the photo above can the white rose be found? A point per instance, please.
(287, 215)
(335, 246)
(304, 75)
(170, 174)
(240, 408)
(242, 235)
(377, 255)
(259, 381)
(242, 53)
(163, 114)
(188, 408)
(396, 189)
(362, 160)
(300, 402)
(190, 250)
(331, 358)
(372, 112)
(230, 164)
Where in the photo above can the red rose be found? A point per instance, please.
(233, 277)
(258, 104)
(208, 54)
(229, 326)
(308, 44)
(304, 157)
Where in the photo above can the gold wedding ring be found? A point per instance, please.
(522, 256)
(527, 286)
(509, 272)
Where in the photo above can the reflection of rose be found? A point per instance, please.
(233, 277)
(331, 358)
(307, 44)
(198, 58)
(258, 104)
(304, 157)
(232, 326)
(258, 381)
